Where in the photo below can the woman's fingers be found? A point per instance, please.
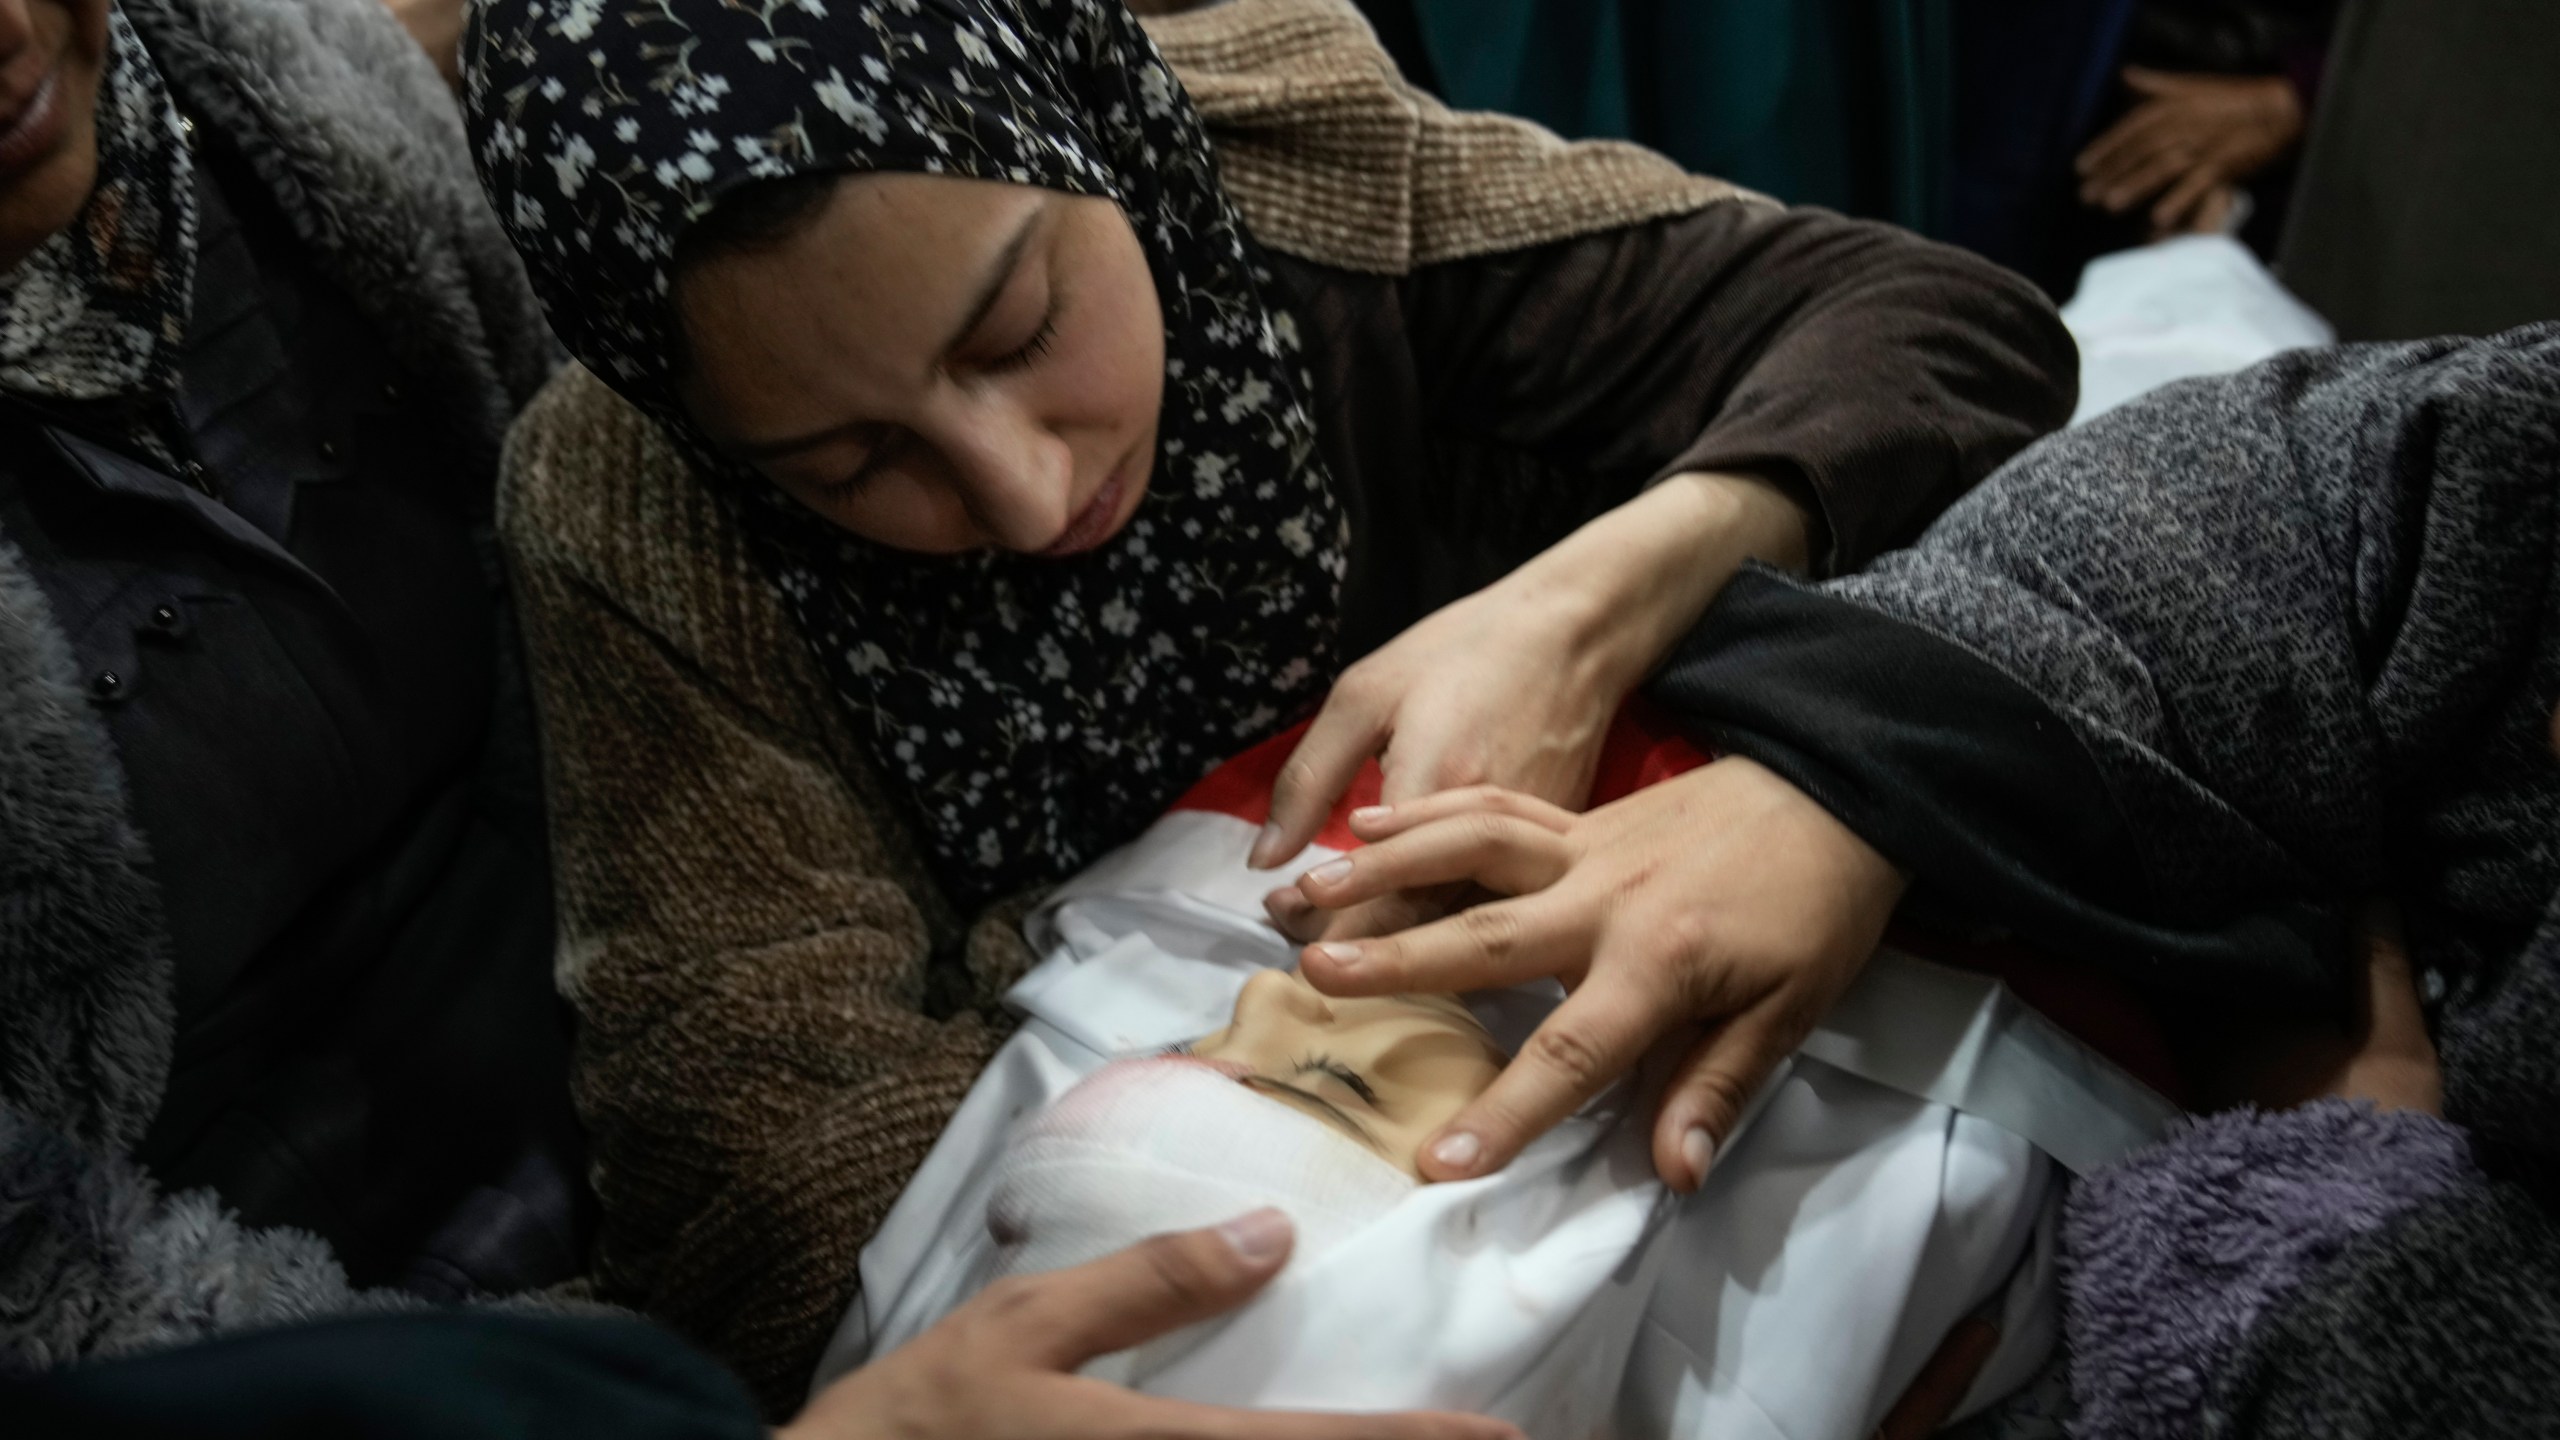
(2143, 81)
(2147, 177)
(2177, 209)
(1374, 823)
(1298, 919)
(1505, 855)
(2110, 154)
(1506, 942)
(1595, 1036)
(1060, 1320)
(1346, 734)
(1711, 1089)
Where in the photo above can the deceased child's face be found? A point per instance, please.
(1387, 1072)
(1308, 1103)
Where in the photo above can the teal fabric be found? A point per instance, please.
(1842, 103)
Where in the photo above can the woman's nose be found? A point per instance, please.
(1016, 478)
(16, 29)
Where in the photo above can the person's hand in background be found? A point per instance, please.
(1515, 685)
(2382, 1053)
(2393, 1062)
(2187, 145)
(1723, 908)
(437, 27)
(1003, 1366)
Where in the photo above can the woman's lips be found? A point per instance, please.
(31, 134)
(1098, 521)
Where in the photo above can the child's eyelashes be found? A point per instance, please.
(1351, 1079)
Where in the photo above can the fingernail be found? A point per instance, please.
(1264, 844)
(1458, 1151)
(1331, 872)
(1697, 1150)
(1257, 1236)
(1372, 814)
(1286, 899)
(1340, 952)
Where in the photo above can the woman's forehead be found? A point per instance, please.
(869, 295)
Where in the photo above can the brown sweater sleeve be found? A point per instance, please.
(1877, 374)
(743, 946)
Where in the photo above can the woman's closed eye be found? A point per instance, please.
(1029, 350)
(884, 452)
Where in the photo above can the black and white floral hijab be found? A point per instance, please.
(1036, 711)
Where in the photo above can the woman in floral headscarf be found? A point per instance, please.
(1014, 430)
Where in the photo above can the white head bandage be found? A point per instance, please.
(1141, 1147)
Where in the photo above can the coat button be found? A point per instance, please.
(164, 617)
(106, 685)
(390, 393)
(328, 449)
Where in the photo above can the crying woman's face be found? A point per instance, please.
(937, 364)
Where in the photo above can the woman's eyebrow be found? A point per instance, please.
(991, 282)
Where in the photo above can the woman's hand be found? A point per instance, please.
(2193, 137)
(1515, 685)
(1002, 1367)
(2383, 1054)
(1724, 902)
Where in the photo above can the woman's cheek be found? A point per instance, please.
(1113, 385)
(909, 514)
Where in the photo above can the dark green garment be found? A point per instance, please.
(441, 1375)
(1838, 103)
(2427, 204)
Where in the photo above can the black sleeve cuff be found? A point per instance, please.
(1967, 780)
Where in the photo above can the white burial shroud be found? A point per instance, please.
(1898, 1176)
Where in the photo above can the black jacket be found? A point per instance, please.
(274, 939)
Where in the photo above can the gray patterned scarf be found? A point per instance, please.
(95, 318)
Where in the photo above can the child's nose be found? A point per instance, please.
(1281, 996)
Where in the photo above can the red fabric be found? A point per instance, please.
(1242, 788)
(1640, 751)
